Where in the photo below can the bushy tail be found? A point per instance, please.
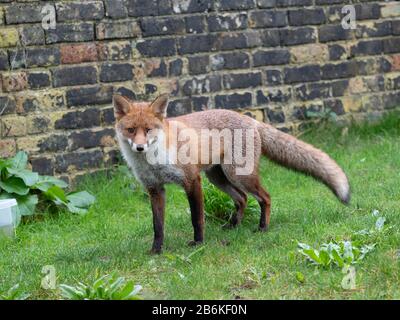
(290, 152)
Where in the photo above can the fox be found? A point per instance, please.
(143, 128)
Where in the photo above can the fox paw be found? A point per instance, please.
(229, 226)
(262, 229)
(193, 243)
(155, 251)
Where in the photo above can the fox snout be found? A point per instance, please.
(138, 147)
(142, 143)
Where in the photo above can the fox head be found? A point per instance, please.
(140, 123)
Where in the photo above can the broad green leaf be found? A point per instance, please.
(69, 292)
(126, 291)
(14, 185)
(313, 255)
(4, 163)
(114, 286)
(20, 160)
(56, 194)
(6, 195)
(328, 247)
(74, 209)
(324, 258)
(100, 293)
(99, 282)
(29, 177)
(46, 182)
(81, 199)
(27, 204)
(337, 258)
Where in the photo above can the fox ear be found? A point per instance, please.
(121, 106)
(159, 106)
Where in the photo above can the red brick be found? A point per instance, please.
(396, 62)
(7, 148)
(76, 53)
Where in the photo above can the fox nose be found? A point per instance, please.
(140, 147)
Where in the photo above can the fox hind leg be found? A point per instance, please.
(251, 184)
(217, 177)
(264, 200)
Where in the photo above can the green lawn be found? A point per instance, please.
(117, 234)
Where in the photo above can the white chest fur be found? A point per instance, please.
(147, 173)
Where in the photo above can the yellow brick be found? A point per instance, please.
(255, 114)
(309, 53)
(48, 100)
(14, 81)
(8, 37)
(165, 85)
(391, 9)
(55, 116)
(390, 80)
(357, 85)
(352, 104)
(13, 127)
(108, 141)
(29, 144)
(371, 103)
(37, 124)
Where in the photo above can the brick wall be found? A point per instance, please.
(274, 59)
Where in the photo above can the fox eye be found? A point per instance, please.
(131, 130)
(147, 130)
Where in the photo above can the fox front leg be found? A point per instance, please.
(195, 196)
(157, 197)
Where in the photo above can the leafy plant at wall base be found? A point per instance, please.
(107, 287)
(323, 115)
(29, 188)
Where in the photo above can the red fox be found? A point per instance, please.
(142, 129)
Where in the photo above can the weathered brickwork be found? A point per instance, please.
(271, 59)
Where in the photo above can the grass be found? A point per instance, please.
(117, 233)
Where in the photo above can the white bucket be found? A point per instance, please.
(9, 217)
